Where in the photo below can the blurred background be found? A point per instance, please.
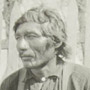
(75, 13)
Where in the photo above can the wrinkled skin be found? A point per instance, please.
(34, 49)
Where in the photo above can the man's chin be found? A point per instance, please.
(31, 66)
(35, 66)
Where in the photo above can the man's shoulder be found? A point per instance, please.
(77, 69)
(12, 76)
(81, 71)
(10, 80)
(76, 72)
(79, 77)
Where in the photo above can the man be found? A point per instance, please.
(41, 43)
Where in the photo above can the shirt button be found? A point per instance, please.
(27, 89)
(43, 79)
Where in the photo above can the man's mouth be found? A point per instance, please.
(26, 58)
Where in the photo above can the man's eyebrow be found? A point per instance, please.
(34, 33)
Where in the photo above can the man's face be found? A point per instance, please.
(34, 49)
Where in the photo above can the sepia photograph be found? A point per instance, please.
(44, 45)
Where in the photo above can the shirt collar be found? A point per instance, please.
(57, 72)
(28, 75)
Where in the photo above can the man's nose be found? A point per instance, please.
(22, 45)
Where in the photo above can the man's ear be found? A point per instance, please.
(57, 44)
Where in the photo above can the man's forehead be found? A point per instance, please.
(29, 24)
(29, 27)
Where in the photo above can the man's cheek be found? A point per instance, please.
(39, 48)
(49, 44)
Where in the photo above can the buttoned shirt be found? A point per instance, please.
(71, 77)
(28, 81)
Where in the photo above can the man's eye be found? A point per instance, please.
(17, 37)
(31, 36)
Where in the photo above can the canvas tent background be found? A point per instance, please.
(76, 14)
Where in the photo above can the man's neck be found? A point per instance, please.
(46, 70)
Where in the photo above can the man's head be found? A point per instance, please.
(41, 36)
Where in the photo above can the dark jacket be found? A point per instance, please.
(75, 77)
